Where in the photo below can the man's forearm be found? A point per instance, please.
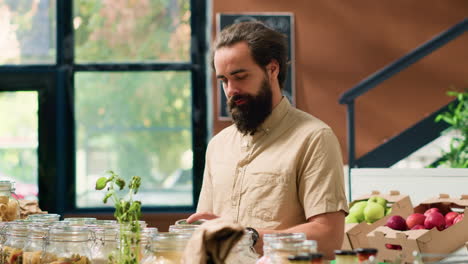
(328, 234)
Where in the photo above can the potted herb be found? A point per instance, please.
(127, 212)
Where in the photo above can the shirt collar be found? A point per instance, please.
(276, 115)
(273, 120)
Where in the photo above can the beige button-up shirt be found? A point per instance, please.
(289, 171)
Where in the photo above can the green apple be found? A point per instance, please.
(349, 219)
(379, 200)
(357, 210)
(373, 212)
(388, 211)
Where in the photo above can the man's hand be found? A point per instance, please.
(199, 216)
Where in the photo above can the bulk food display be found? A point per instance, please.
(393, 232)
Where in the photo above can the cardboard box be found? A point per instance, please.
(356, 234)
(423, 241)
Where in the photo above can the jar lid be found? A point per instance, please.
(6, 185)
(287, 244)
(44, 217)
(366, 251)
(279, 236)
(306, 256)
(299, 257)
(345, 252)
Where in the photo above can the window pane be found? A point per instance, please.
(131, 31)
(18, 141)
(135, 124)
(27, 32)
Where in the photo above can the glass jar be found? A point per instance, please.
(3, 229)
(147, 236)
(35, 242)
(184, 222)
(105, 223)
(270, 238)
(80, 221)
(366, 255)
(345, 257)
(167, 248)
(44, 217)
(280, 250)
(67, 244)
(9, 206)
(243, 252)
(105, 244)
(183, 228)
(12, 249)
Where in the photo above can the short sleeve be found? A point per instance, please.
(320, 176)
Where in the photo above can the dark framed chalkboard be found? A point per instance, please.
(282, 22)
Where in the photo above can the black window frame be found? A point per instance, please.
(55, 86)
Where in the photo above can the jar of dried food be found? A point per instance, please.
(35, 242)
(67, 244)
(345, 257)
(12, 249)
(268, 239)
(280, 250)
(167, 248)
(9, 206)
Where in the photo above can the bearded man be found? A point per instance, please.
(276, 169)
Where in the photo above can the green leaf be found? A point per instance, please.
(101, 183)
(108, 195)
(135, 184)
(120, 182)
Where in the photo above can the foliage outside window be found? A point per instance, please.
(134, 122)
(457, 117)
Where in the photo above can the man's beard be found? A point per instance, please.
(256, 108)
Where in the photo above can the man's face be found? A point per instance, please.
(246, 86)
(249, 115)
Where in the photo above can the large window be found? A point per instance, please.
(93, 86)
(19, 141)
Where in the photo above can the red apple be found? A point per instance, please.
(416, 227)
(449, 218)
(458, 218)
(397, 222)
(435, 219)
(430, 210)
(394, 247)
(415, 219)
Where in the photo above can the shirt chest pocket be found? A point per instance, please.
(267, 178)
(267, 194)
(267, 185)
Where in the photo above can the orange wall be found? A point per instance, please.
(339, 42)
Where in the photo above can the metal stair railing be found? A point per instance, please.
(387, 72)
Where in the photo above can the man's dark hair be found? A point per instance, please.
(265, 44)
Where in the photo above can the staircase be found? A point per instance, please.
(413, 138)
